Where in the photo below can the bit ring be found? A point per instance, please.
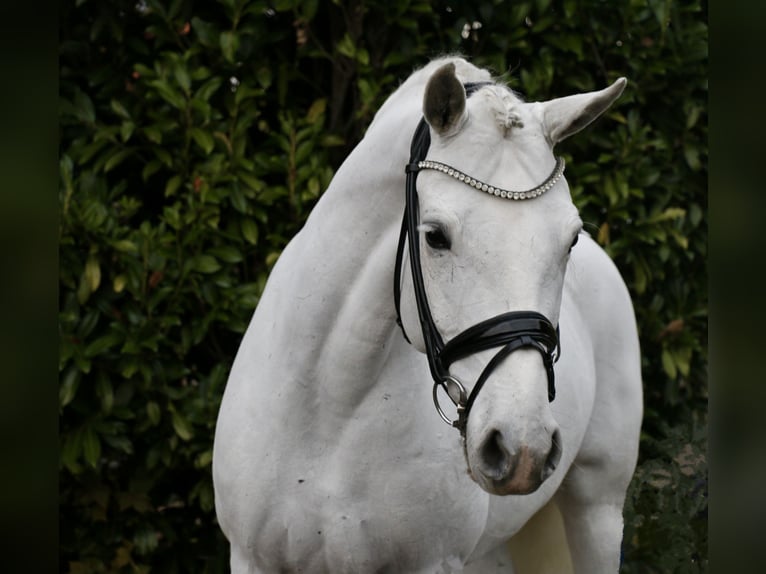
(457, 394)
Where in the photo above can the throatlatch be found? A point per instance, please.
(511, 331)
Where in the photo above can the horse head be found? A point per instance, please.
(495, 228)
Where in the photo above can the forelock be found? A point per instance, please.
(505, 106)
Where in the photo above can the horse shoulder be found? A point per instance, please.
(610, 445)
(604, 305)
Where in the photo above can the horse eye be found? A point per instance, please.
(574, 241)
(436, 239)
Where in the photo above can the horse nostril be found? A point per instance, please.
(495, 459)
(554, 455)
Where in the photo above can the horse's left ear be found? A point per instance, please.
(444, 100)
(565, 116)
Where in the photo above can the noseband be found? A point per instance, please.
(510, 331)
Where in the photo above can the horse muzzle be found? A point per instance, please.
(501, 467)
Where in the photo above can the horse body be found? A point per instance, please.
(328, 456)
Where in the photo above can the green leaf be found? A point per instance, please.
(91, 446)
(83, 106)
(203, 491)
(144, 70)
(205, 92)
(205, 264)
(103, 343)
(172, 185)
(692, 157)
(169, 94)
(227, 253)
(264, 77)
(668, 364)
(119, 283)
(71, 450)
(229, 45)
(672, 213)
(203, 139)
(346, 46)
(131, 368)
(692, 115)
(105, 393)
(303, 152)
(122, 443)
(153, 134)
(150, 169)
(83, 290)
(163, 156)
(153, 412)
(94, 215)
(204, 459)
(91, 150)
(332, 140)
(171, 215)
(250, 231)
(313, 187)
(117, 159)
(119, 109)
(680, 239)
(125, 246)
(316, 111)
(146, 540)
(238, 200)
(640, 277)
(126, 130)
(682, 359)
(92, 273)
(206, 32)
(250, 180)
(182, 76)
(206, 497)
(69, 384)
(182, 427)
(603, 234)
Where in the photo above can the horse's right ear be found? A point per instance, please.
(565, 116)
(444, 100)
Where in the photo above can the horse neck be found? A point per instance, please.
(335, 280)
(334, 283)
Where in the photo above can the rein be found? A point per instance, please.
(511, 331)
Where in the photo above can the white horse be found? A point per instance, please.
(329, 456)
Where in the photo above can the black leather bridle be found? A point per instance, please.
(510, 331)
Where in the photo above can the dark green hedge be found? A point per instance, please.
(195, 138)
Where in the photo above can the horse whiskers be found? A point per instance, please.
(591, 225)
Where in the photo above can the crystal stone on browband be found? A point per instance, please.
(555, 175)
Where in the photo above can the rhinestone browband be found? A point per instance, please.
(555, 175)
